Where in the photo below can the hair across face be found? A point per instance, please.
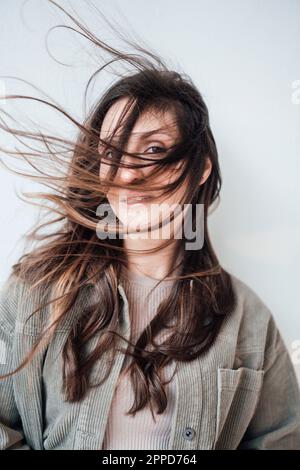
(153, 134)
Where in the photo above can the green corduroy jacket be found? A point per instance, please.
(240, 394)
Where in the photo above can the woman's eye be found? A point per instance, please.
(160, 149)
(155, 149)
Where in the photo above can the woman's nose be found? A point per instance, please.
(129, 173)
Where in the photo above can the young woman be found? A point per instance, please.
(116, 336)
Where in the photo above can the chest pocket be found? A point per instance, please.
(238, 393)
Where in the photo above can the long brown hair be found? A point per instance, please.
(74, 257)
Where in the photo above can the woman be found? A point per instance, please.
(116, 336)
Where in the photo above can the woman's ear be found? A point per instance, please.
(206, 172)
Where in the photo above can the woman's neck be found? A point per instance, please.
(153, 265)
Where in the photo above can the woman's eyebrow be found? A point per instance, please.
(143, 135)
(147, 134)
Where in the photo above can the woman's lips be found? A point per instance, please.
(136, 199)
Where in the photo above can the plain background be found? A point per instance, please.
(244, 56)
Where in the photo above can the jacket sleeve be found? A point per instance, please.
(276, 422)
(11, 433)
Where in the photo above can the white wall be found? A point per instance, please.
(245, 58)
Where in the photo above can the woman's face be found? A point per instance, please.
(133, 212)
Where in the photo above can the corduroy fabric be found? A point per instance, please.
(241, 394)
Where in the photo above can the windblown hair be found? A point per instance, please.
(74, 257)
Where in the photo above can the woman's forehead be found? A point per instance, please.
(150, 122)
